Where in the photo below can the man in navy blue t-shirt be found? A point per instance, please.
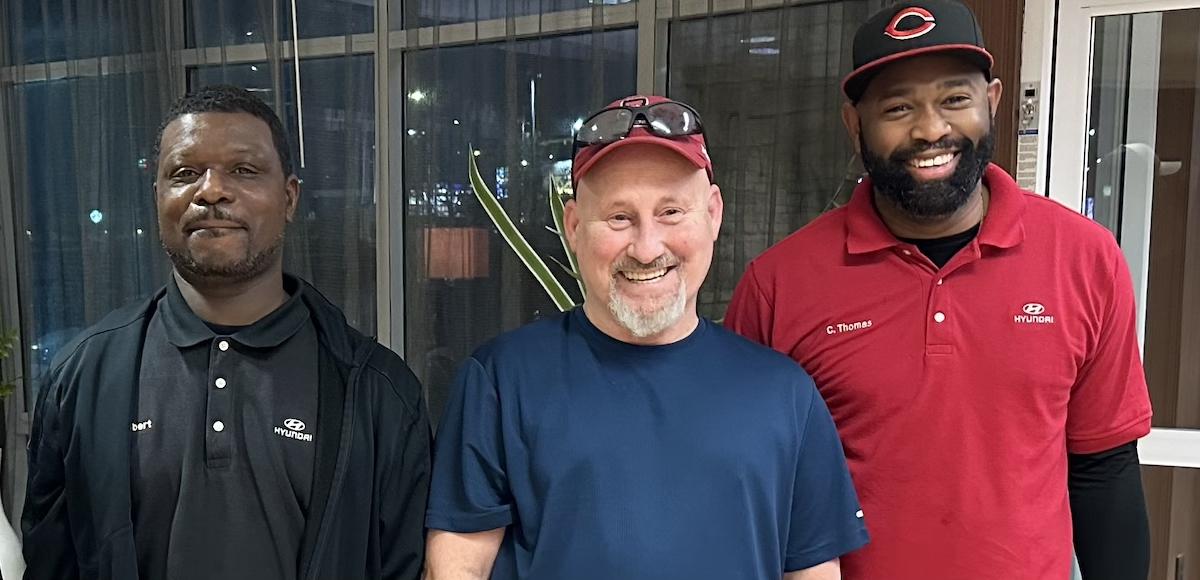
(631, 439)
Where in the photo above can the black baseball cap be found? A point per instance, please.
(910, 29)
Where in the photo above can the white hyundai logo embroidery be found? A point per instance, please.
(1033, 309)
(294, 424)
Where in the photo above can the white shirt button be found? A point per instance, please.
(223, 345)
(907, 253)
(939, 282)
(218, 426)
(939, 317)
(220, 383)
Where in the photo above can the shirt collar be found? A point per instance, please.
(1003, 227)
(184, 328)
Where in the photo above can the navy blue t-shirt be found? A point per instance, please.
(712, 457)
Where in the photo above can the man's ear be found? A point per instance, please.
(292, 190)
(995, 90)
(716, 209)
(571, 222)
(853, 127)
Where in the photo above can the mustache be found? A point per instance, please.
(212, 213)
(905, 155)
(631, 265)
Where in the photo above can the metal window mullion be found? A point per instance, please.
(516, 28)
(16, 416)
(385, 323)
(647, 42)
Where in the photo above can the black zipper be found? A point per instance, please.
(339, 470)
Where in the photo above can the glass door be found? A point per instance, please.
(1130, 160)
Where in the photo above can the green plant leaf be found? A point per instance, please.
(565, 268)
(517, 242)
(557, 210)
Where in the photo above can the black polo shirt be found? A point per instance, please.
(224, 442)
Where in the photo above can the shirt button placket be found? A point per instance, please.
(939, 334)
(219, 447)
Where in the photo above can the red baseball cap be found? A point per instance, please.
(691, 147)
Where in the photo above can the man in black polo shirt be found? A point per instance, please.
(233, 425)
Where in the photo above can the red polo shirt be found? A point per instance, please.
(958, 392)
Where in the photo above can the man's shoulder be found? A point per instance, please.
(534, 338)
(115, 328)
(1070, 232)
(757, 360)
(813, 241)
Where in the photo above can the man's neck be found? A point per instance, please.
(235, 304)
(902, 226)
(599, 316)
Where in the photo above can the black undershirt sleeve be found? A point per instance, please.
(1108, 507)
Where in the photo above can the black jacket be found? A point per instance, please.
(370, 486)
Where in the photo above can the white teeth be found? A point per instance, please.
(935, 162)
(645, 276)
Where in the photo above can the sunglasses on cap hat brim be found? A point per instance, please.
(668, 120)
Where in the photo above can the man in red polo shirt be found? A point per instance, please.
(975, 343)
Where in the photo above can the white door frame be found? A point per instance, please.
(1072, 87)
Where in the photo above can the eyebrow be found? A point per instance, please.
(906, 89)
(252, 154)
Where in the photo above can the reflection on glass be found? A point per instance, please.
(53, 30)
(231, 22)
(418, 13)
(331, 241)
(84, 188)
(1105, 170)
(767, 85)
(514, 107)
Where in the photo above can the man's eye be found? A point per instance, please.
(244, 171)
(185, 174)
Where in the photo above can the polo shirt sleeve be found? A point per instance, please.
(1110, 404)
(827, 520)
(470, 490)
(750, 311)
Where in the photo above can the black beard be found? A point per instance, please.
(248, 268)
(931, 200)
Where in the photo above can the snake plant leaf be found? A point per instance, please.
(565, 268)
(557, 210)
(517, 242)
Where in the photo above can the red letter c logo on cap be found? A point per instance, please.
(921, 30)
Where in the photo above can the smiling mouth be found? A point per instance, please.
(926, 163)
(647, 275)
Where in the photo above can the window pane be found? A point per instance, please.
(53, 30)
(331, 241)
(516, 104)
(229, 22)
(85, 201)
(433, 12)
(768, 86)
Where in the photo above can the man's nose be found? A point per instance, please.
(648, 246)
(930, 127)
(212, 188)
